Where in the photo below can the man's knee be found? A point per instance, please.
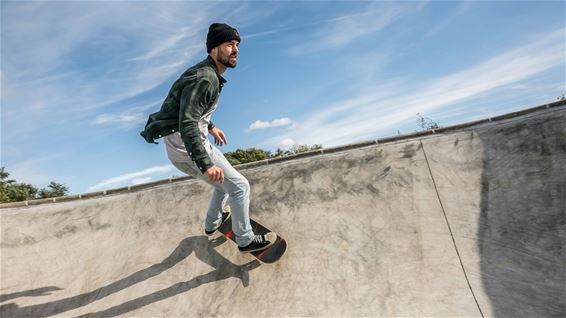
(242, 187)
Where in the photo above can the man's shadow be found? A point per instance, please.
(204, 250)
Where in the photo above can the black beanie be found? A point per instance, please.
(219, 33)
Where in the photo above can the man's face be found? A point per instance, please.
(227, 53)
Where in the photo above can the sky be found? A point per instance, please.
(79, 79)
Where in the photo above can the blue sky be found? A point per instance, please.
(78, 79)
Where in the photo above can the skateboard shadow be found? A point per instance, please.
(201, 246)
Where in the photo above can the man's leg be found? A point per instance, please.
(235, 186)
(214, 213)
(219, 196)
(238, 189)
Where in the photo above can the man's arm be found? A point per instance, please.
(195, 98)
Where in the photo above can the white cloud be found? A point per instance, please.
(286, 143)
(79, 57)
(259, 124)
(37, 169)
(366, 115)
(141, 180)
(171, 42)
(132, 116)
(260, 34)
(341, 31)
(131, 178)
(462, 8)
(119, 119)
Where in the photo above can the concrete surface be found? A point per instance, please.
(464, 223)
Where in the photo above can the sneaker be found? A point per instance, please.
(260, 242)
(225, 215)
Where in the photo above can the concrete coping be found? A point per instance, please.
(312, 153)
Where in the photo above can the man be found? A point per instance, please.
(184, 121)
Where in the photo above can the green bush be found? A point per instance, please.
(12, 191)
(241, 156)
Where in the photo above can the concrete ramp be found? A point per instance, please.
(468, 221)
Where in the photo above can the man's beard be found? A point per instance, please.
(225, 60)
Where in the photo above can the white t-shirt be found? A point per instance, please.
(175, 146)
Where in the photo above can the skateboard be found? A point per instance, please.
(270, 255)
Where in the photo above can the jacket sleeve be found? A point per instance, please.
(195, 99)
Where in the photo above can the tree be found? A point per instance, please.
(244, 156)
(295, 149)
(22, 192)
(4, 185)
(241, 156)
(12, 191)
(57, 190)
(426, 123)
(4, 175)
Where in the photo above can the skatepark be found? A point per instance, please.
(463, 221)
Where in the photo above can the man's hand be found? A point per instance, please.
(219, 137)
(215, 173)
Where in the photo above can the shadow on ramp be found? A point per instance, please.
(204, 250)
(522, 220)
(29, 293)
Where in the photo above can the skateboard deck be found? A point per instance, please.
(270, 255)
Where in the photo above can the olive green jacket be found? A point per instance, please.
(189, 99)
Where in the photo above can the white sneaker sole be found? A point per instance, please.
(271, 237)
